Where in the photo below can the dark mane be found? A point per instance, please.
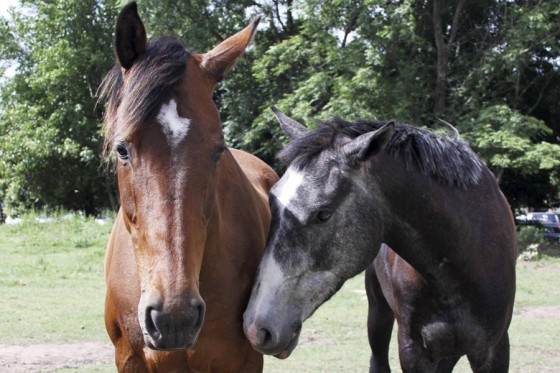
(449, 160)
(150, 81)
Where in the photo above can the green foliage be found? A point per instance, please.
(314, 59)
(49, 127)
(373, 59)
(528, 235)
(507, 139)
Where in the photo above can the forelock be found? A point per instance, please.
(149, 82)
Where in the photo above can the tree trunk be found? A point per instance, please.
(443, 48)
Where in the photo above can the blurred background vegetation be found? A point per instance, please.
(490, 67)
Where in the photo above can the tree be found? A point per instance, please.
(49, 127)
(490, 67)
(507, 139)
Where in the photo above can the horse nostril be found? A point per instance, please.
(151, 321)
(198, 316)
(265, 337)
(175, 326)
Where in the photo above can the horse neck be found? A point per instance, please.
(431, 223)
(239, 211)
(235, 239)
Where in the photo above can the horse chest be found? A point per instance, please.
(441, 321)
(445, 329)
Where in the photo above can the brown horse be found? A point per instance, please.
(194, 214)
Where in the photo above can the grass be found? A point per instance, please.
(51, 281)
(52, 291)
(334, 339)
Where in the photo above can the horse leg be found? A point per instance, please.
(126, 359)
(447, 364)
(414, 358)
(497, 362)
(380, 323)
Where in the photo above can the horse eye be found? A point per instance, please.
(122, 151)
(324, 215)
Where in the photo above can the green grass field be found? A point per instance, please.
(52, 291)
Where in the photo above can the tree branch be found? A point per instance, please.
(455, 23)
(278, 18)
(442, 59)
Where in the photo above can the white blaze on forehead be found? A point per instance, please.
(174, 126)
(286, 189)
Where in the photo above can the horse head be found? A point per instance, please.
(320, 232)
(165, 130)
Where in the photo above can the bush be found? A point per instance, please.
(529, 237)
(530, 234)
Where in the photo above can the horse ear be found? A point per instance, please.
(130, 36)
(291, 127)
(223, 57)
(369, 143)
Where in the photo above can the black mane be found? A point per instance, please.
(450, 160)
(150, 81)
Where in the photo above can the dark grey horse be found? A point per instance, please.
(349, 187)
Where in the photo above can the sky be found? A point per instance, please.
(5, 4)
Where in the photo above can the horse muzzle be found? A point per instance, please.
(172, 327)
(270, 338)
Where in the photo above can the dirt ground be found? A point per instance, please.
(49, 357)
(543, 312)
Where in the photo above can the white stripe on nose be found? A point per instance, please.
(271, 279)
